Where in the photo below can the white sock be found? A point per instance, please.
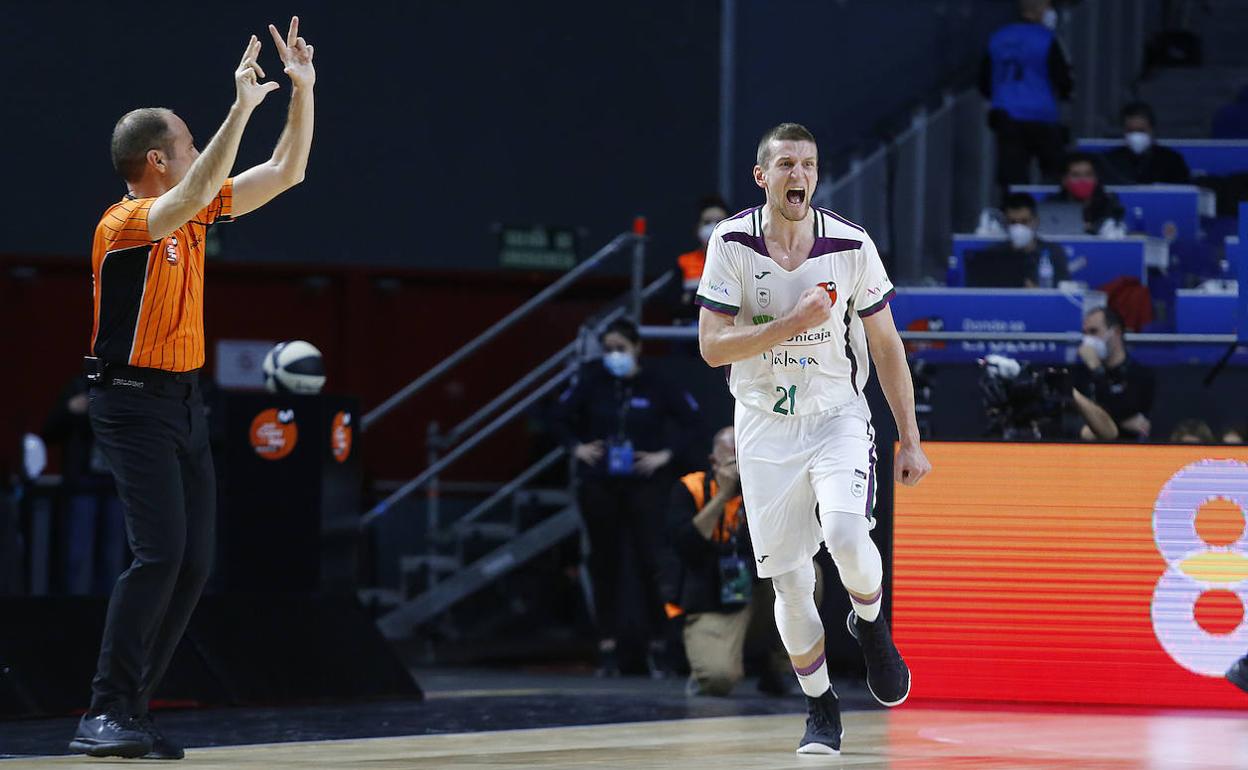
(814, 678)
(867, 611)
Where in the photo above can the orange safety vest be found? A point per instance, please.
(724, 530)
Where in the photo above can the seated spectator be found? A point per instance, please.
(1142, 160)
(1042, 264)
(1113, 393)
(1191, 431)
(1102, 213)
(711, 211)
(1231, 120)
(1234, 433)
(710, 578)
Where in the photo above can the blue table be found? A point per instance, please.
(1095, 261)
(992, 310)
(1205, 157)
(1169, 211)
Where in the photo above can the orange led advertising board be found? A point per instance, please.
(1099, 574)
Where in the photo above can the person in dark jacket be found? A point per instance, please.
(1081, 183)
(1041, 263)
(1141, 160)
(1024, 73)
(94, 532)
(710, 579)
(629, 429)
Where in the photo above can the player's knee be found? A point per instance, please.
(795, 587)
(160, 556)
(848, 538)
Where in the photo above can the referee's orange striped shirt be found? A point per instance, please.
(149, 294)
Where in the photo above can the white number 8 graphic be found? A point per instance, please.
(1193, 566)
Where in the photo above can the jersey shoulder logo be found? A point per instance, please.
(171, 250)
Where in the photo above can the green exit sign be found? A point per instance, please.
(537, 247)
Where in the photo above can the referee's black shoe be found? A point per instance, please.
(823, 725)
(162, 747)
(1238, 674)
(888, 677)
(110, 735)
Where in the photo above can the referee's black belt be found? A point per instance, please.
(157, 381)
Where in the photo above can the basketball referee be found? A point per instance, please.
(147, 347)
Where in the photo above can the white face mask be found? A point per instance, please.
(704, 233)
(1050, 18)
(1139, 141)
(1097, 344)
(620, 363)
(1021, 236)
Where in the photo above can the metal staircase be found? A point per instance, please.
(518, 521)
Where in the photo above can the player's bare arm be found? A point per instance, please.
(208, 173)
(260, 184)
(723, 343)
(889, 354)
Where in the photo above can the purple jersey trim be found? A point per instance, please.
(843, 220)
(832, 246)
(877, 307)
(717, 307)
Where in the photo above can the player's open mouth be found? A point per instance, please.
(796, 196)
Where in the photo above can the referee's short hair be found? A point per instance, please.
(785, 132)
(138, 131)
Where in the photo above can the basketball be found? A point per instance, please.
(294, 367)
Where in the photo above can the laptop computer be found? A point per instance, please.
(995, 268)
(1060, 218)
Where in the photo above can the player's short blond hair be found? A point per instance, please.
(785, 132)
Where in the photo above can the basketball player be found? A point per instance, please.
(791, 298)
(147, 348)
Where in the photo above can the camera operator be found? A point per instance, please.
(709, 577)
(629, 429)
(1113, 393)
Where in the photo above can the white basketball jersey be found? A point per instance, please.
(821, 368)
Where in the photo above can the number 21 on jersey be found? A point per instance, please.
(788, 395)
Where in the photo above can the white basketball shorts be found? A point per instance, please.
(788, 464)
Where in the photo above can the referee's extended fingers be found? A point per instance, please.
(246, 51)
(279, 41)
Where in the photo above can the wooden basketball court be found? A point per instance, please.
(912, 738)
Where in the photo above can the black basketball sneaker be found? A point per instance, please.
(823, 725)
(1238, 674)
(888, 677)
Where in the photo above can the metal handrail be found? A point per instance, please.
(413, 387)
(527, 475)
(691, 333)
(382, 508)
(484, 412)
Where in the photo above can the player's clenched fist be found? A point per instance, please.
(813, 308)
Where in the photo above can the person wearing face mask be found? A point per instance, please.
(1025, 73)
(1102, 212)
(1142, 160)
(1112, 391)
(711, 211)
(1042, 264)
(629, 429)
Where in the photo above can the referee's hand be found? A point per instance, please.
(248, 88)
(911, 465)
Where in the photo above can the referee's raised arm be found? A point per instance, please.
(208, 173)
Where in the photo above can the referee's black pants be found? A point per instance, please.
(155, 438)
